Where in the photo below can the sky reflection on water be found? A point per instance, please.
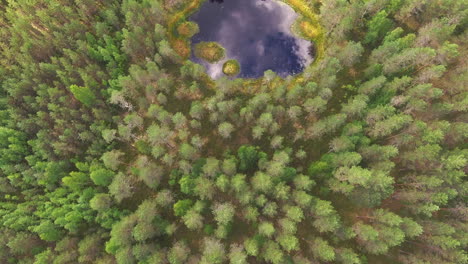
(254, 32)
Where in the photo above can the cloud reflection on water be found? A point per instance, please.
(254, 32)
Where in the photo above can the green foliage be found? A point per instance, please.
(266, 229)
(322, 250)
(273, 253)
(13, 147)
(100, 202)
(47, 231)
(262, 182)
(223, 213)
(252, 247)
(76, 180)
(208, 229)
(111, 159)
(222, 182)
(347, 256)
(121, 187)
(102, 177)
(377, 26)
(213, 251)
(237, 255)
(318, 167)
(294, 213)
(225, 129)
(187, 151)
(248, 157)
(83, 94)
(116, 148)
(178, 254)
(182, 206)
(288, 242)
(143, 147)
(193, 220)
(187, 184)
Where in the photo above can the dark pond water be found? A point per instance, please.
(254, 32)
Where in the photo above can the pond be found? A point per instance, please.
(256, 33)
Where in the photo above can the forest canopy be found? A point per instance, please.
(116, 148)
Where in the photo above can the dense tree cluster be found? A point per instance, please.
(114, 148)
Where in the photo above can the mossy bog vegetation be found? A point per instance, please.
(309, 26)
(231, 67)
(188, 29)
(209, 51)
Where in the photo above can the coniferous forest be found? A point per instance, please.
(115, 147)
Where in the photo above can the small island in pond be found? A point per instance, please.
(209, 51)
(231, 68)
